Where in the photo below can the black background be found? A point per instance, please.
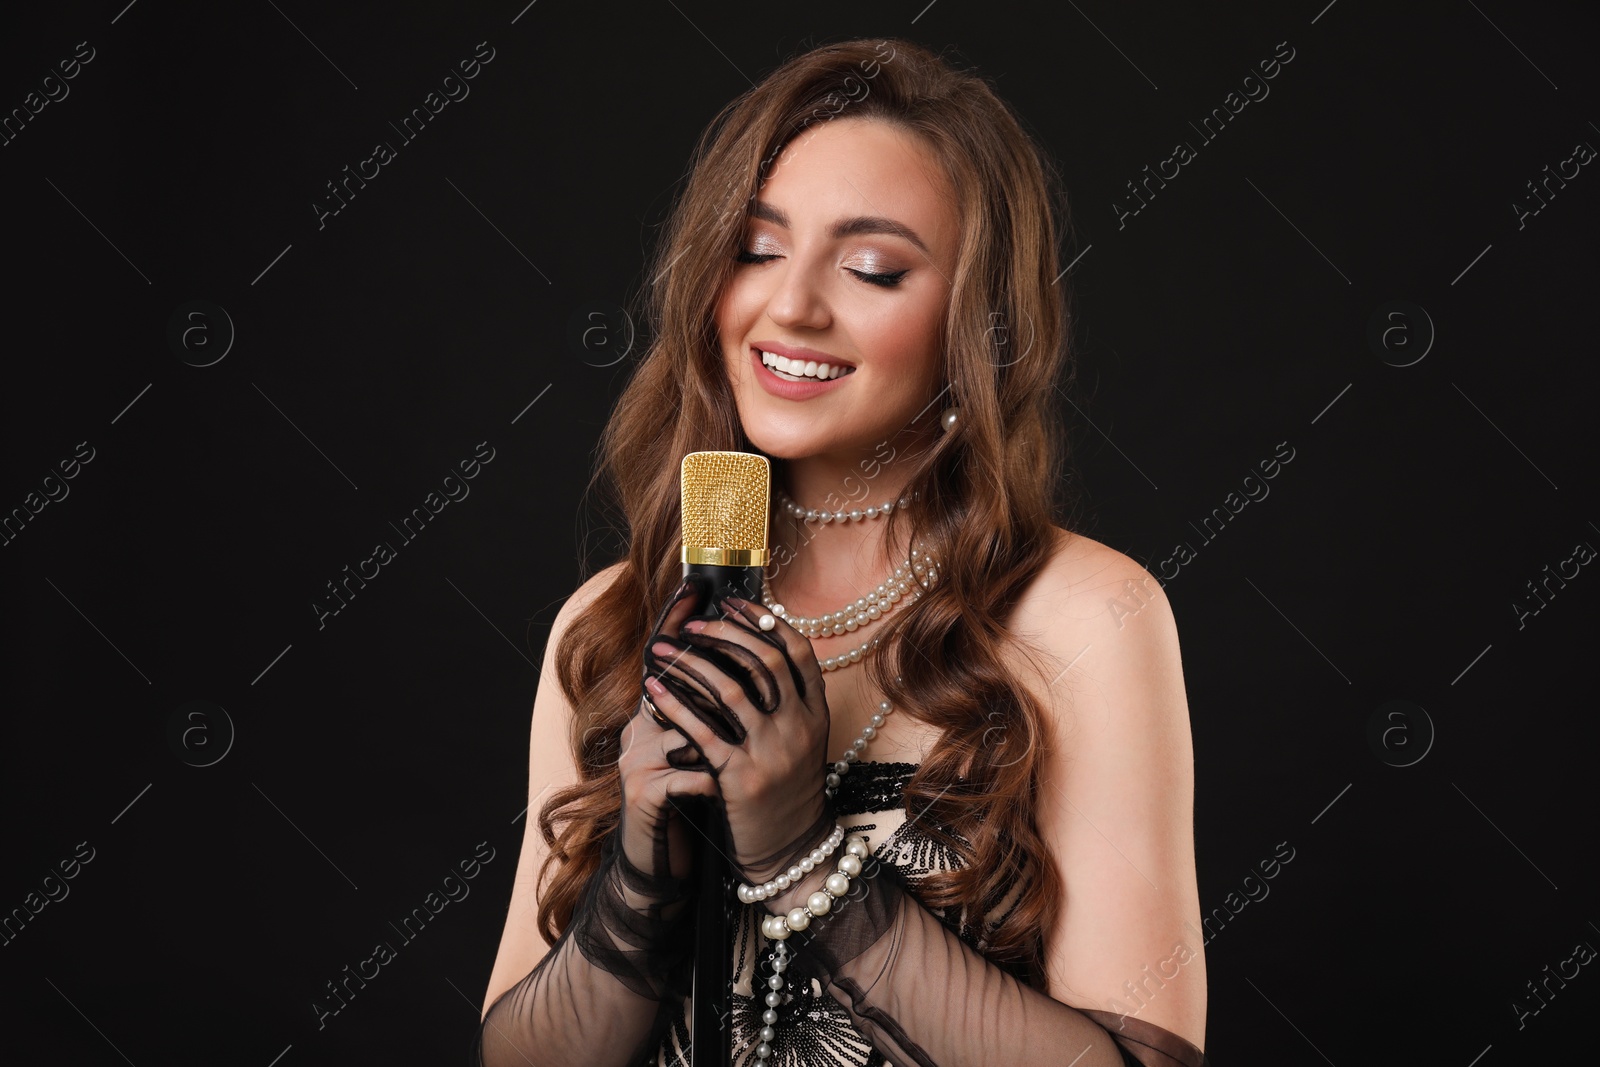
(366, 758)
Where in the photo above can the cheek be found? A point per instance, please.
(908, 348)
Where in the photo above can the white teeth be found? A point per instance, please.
(803, 369)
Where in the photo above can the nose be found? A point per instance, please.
(797, 298)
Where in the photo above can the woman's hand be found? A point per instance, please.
(656, 765)
(752, 702)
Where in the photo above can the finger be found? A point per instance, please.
(683, 601)
(696, 685)
(720, 643)
(686, 600)
(743, 655)
(701, 739)
(795, 648)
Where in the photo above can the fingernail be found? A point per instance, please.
(661, 648)
(654, 686)
(694, 626)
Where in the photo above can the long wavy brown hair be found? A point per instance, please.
(991, 490)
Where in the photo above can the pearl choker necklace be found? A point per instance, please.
(777, 928)
(825, 516)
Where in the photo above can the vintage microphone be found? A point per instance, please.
(726, 499)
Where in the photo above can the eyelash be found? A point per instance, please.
(885, 281)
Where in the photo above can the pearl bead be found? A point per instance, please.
(775, 982)
(839, 768)
(837, 884)
(817, 856)
(795, 874)
(799, 919)
(872, 513)
(770, 888)
(782, 882)
(833, 779)
(850, 865)
(744, 895)
(855, 514)
(764, 1050)
(780, 931)
(869, 732)
(877, 718)
(819, 903)
(769, 1016)
(774, 999)
(768, 1034)
(857, 848)
(840, 516)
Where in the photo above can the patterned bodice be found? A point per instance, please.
(815, 1029)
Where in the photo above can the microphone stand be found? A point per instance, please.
(710, 1047)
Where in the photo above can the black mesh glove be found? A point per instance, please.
(752, 706)
(614, 979)
(923, 996)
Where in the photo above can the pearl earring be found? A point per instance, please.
(949, 418)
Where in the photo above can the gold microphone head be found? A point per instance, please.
(726, 501)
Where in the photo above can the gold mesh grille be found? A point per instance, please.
(726, 499)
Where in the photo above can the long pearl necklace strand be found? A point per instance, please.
(917, 573)
(777, 928)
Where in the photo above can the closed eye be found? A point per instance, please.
(887, 281)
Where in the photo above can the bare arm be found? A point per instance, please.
(1127, 975)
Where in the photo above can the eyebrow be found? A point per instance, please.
(847, 227)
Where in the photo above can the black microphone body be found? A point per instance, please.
(714, 910)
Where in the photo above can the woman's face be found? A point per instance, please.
(851, 245)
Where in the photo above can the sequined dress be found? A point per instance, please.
(816, 1029)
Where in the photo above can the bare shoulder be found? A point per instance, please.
(586, 593)
(1096, 641)
(1087, 589)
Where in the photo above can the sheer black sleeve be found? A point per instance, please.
(607, 988)
(924, 996)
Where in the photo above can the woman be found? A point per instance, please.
(860, 282)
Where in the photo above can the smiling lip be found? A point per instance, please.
(782, 387)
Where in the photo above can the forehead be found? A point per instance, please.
(844, 167)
